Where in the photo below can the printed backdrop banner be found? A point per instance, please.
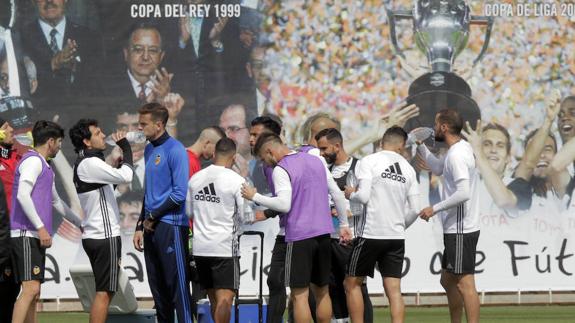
(533, 252)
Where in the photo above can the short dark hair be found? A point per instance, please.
(44, 130)
(264, 139)
(129, 197)
(497, 127)
(158, 112)
(81, 131)
(331, 135)
(453, 120)
(268, 123)
(394, 133)
(225, 147)
(142, 26)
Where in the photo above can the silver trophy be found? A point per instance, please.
(15, 105)
(441, 32)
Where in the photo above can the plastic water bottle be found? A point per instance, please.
(351, 181)
(249, 206)
(419, 134)
(133, 137)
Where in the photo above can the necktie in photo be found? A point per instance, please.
(53, 42)
(142, 94)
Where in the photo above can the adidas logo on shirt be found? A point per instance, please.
(208, 194)
(393, 172)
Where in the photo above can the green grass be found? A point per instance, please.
(505, 314)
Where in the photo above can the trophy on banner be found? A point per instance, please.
(15, 106)
(441, 32)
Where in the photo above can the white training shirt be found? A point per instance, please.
(338, 171)
(458, 213)
(101, 214)
(29, 170)
(215, 203)
(387, 183)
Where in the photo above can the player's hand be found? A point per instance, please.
(248, 192)
(45, 238)
(426, 213)
(138, 240)
(344, 235)
(149, 225)
(348, 190)
(118, 135)
(260, 216)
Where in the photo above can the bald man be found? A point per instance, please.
(204, 147)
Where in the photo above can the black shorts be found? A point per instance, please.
(387, 253)
(218, 272)
(105, 256)
(308, 261)
(339, 260)
(459, 254)
(28, 259)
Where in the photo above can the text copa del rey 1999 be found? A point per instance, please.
(181, 10)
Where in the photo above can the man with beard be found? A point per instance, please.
(396, 116)
(94, 180)
(262, 178)
(495, 191)
(540, 149)
(31, 220)
(330, 144)
(460, 219)
(308, 223)
(8, 160)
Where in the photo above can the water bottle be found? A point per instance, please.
(419, 134)
(356, 208)
(25, 138)
(133, 137)
(249, 206)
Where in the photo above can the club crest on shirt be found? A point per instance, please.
(158, 159)
(7, 272)
(36, 270)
